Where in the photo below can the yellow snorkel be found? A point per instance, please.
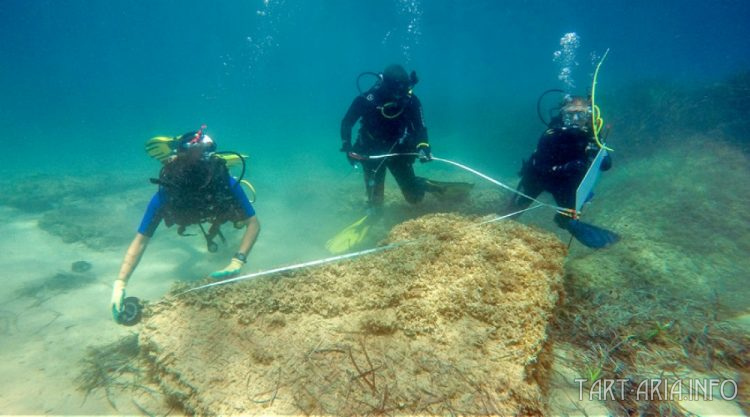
(596, 118)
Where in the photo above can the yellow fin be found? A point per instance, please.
(160, 147)
(350, 237)
(232, 159)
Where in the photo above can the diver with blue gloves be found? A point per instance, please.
(562, 158)
(195, 187)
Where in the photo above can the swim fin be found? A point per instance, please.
(160, 147)
(232, 159)
(350, 237)
(592, 236)
(449, 190)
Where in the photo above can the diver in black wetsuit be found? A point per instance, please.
(391, 122)
(559, 163)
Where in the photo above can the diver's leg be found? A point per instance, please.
(412, 187)
(589, 235)
(532, 186)
(565, 196)
(374, 184)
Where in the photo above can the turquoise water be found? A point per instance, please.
(85, 83)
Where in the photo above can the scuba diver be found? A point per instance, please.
(391, 122)
(562, 158)
(195, 187)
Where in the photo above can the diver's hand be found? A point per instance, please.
(570, 168)
(118, 294)
(346, 147)
(234, 267)
(353, 158)
(425, 152)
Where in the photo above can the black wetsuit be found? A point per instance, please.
(557, 166)
(399, 130)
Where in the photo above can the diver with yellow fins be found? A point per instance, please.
(392, 135)
(566, 163)
(195, 187)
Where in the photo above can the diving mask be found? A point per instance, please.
(198, 140)
(579, 119)
(576, 114)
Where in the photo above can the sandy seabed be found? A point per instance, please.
(691, 243)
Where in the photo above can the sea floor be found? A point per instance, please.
(684, 227)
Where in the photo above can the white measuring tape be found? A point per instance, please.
(382, 248)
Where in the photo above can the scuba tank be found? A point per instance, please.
(413, 80)
(390, 109)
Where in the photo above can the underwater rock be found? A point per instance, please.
(92, 210)
(455, 322)
(54, 285)
(42, 192)
(80, 223)
(80, 266)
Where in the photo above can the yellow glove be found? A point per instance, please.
(118, 294)
(234, 267)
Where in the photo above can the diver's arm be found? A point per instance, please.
(131, 260)
(239, 258)
(248, 239)
(132, 257)
(356, 110)
(251, 220)
(250, 236)
(592, 150)
(149, 223)
(543, 157)
(419, 130)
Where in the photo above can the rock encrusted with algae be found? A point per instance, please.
(455, 322)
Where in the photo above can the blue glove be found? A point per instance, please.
(424, 152)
